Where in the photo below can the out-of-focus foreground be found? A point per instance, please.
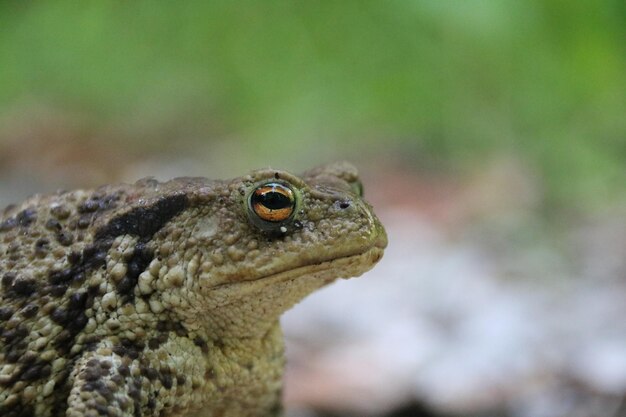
(491, 136)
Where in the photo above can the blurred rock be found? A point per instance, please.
(441, 321)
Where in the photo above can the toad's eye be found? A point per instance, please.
(273, 202)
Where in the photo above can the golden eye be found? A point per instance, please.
(273, 202)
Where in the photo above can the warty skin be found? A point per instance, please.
(163, 299)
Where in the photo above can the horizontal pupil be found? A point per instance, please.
(274, 200)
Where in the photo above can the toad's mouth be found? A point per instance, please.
(353, 262)
(312, 274)
(341, 267)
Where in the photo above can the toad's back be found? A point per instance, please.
(164, 298)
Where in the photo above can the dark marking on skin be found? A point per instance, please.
(89, 206)
(99, 202)
(29, 311)
(128, 348)
(209, 374)
(144, 221)
(55, 290)
(59, 405)
(180, 330)
(201, 343)
(62, 341)
(38, 370)
(91, 258)
(150, 373)
(65, 238)
(93, 375)
(63, 276)
(7, 280)
(78, 278)
(94, 255)
(166, 379)
(95, 371)
(53, 225)
(137, 345)
(117, 379)
(84, 221)
(78, 300)
(74, 257)
(60, 212)
(151, 403)
(5, 313)
(161, 338)
(42, 246)
(153, 343)
(102, 409)
(21, 287)
(135, 265)
(15, 335)
(15, 345)
(26, 217)
(175, 326)
(8, 224)
(18, 409)
(134, 392)
(93, 386)
(14, 355)
(72, 318)
(60, 316)
(124, 370)
(13, 251)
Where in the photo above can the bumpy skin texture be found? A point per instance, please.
(163, 299)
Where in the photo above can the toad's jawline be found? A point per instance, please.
(366, 259)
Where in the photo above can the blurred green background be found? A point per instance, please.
(432, 85)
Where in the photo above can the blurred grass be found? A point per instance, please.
(454, 82)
